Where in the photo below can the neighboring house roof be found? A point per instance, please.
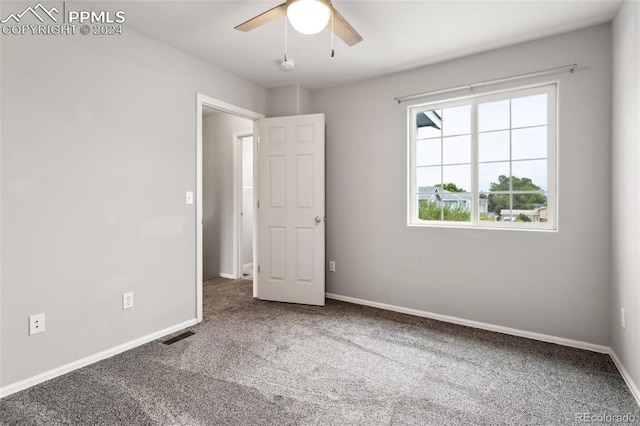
(428, 119)
(428, 192)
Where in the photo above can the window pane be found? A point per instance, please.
(529, 111)
(456, 121)
(529, 143)
(460, 176)
(484, 213)
(456, 150)
(456, 206)
(491, 173)
(428, 152)
(493, 146)
(543, 213)
(499, 206)
(428, 124)
(528, 203)
(493, 116)
(429, 209)
(529, 175)
(427, 177)
(506, 215)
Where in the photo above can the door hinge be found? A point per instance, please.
(258, 268)
(258, 203)
(258, 140)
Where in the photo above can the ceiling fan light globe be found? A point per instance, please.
(309, 16)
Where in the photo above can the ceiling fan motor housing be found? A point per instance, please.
(322, 13)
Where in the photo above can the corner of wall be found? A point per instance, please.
(625, 133)
(288, 100)
(304, 101)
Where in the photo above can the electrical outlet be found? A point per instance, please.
(189, 197)
(127, 300)
(623, 320)
(332, 266)
(36, 324)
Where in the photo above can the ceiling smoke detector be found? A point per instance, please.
(287, 64)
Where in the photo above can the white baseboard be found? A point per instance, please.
(230, 276)
(67, 368)
(476, 324)
(247, 266)
(625, 375)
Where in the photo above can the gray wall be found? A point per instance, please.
(217, 188)
(98, 148)
(626, 179)
(556, 283)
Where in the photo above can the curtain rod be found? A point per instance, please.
(571, 68)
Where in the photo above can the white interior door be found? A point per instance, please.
(291, 226)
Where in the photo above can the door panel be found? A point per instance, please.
(291, 196)
(277, 181)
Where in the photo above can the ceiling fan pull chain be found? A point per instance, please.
(333, 53)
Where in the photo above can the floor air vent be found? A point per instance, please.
(179, 337)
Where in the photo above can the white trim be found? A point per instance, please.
(229, 276)
(476, 324)
(199, 214)
(91, 359)
(256, 203)
(237, 206)
(203, 100)
(625, 375)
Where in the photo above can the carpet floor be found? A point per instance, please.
(263, 363)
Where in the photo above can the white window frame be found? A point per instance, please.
(551, 90)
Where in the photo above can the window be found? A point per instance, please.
(485, 161)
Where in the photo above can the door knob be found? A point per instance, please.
(317, 220)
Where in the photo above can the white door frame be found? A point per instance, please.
(238, 197)
(201, 101)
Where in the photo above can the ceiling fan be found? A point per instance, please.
(307, 17)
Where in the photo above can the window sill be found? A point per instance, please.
(450, 225)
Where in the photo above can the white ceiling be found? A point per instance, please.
(398, 35)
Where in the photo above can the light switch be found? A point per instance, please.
(189, 197)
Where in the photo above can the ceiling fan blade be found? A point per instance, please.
(263, 18)
(343, 29)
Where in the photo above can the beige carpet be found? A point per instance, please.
(263, 363)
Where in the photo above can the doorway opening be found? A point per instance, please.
(218, 224)
(244, 199)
